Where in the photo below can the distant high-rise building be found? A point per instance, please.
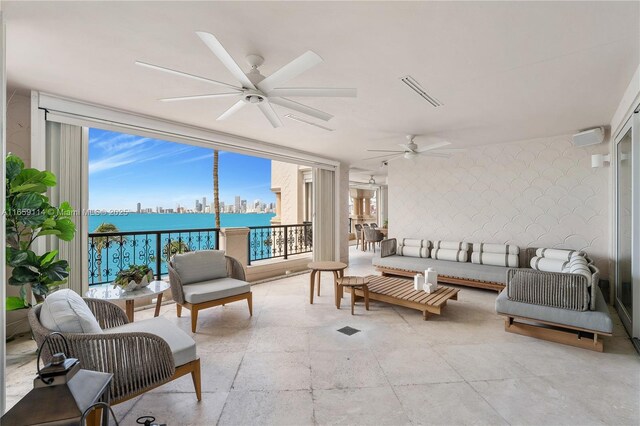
(138, 208)
(204, 202)
(238, 204)
(243, 206)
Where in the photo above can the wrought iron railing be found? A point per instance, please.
(267, 242)
(110, 252)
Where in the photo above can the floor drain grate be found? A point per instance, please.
(349, 331)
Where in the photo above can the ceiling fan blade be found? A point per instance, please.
(288, 103)
(302, 63)
(314, 92)
(271, 115)
(433, 146)
(396, 157)
(216, 47)
(376, 157)
(185, 74)
(451, 150)
(212, 95)
(383, 150)
(234, 108)
(434, 154)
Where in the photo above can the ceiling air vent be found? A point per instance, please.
(415, 86)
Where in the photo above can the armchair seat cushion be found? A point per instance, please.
(220, 288)
(183, 347)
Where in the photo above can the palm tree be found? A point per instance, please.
(216, 193)
(173, 247)
(102, 242)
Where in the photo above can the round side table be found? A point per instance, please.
(107, 292)
(327, 266)
(353, 283)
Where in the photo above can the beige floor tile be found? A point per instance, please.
(330, 339)
(533, 401)
(363, 406)
(178, 408)
(446, 404)
(345, 369)
(416, 366)
(279, 339)
(481, 362)
(243, 408)
(267, 371)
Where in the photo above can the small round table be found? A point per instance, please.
(107, 292)
(353, 283)
(327, 266)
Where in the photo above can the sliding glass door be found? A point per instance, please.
(626, 273)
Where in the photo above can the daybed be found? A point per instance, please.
(564, 307)
(450, 259)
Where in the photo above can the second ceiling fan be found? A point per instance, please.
(411, 150)
(257, 89)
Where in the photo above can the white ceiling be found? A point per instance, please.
(504, 71)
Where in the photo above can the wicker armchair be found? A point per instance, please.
(359, 235)
(234, 271)
(372, 236)
(139, 361)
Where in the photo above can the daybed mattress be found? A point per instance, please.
(598, 320)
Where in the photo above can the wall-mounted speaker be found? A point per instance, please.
(589, 137)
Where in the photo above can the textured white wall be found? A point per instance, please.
(19, 127)
(536, 193)
(286, 178)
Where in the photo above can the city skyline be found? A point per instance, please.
(158, 173)
(201, 206)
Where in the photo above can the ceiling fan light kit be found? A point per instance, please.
(256, 89)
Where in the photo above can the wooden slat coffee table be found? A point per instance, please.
(399, 291)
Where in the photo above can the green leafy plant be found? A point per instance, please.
(29, 215)
(133, 273)
(385, 224)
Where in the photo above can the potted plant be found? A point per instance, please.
(29, 215)
(134, 277)
(385, 224)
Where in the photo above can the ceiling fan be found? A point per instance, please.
(257, 89)
(411, 150)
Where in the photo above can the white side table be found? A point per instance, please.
(107, 292)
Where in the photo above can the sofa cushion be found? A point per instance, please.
(412, 242)
(549, 265)
(496, 248)
(214, 290)
(183, 347)
(498, 259)
(66, 312)
(558, 253)
(198, 266)
(451, 245)
(451, 255)
(596, 320)
(469, 271)
(413, 251)
(579, 265)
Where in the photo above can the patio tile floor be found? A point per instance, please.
(288, 364)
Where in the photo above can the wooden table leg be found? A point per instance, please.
(319, 279)
(365, 290)
(129, 309)
(353, 298)
(311, 285)
(158, 304)
(336, 290)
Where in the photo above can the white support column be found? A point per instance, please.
(234, 242)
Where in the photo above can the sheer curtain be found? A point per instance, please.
(67, 158)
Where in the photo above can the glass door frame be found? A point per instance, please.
(633, 125)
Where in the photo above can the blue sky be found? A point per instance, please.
(126, 169)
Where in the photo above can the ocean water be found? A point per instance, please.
(162, 222)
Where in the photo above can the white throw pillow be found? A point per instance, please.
(66, 312)
(549, 265)
(579, 265)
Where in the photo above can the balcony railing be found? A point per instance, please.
(111, 252)
(267, 242)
